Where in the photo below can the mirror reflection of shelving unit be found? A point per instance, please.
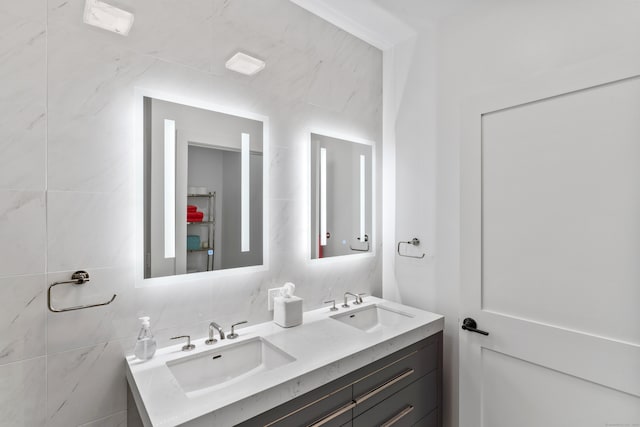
(208, 221)
(189, 151)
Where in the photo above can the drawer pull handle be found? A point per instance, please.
(334, 415)
(398, 416)
(384, 386)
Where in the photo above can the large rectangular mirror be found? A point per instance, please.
(341, 197)
(203, 189)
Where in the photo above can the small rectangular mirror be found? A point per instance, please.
(341, 197)
(203, 189)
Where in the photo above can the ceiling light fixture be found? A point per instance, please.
(245, 64)
(107, 17)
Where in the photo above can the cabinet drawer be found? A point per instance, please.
(394, 375)
(430, 420)
(405, 408)
(332, 409)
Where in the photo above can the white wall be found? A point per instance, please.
(485, 46)
(414, 101)
(66, 181)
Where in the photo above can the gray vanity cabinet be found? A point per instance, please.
(402, 389)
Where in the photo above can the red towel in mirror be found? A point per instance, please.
(195, 216)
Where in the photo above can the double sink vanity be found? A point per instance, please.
(202, 175)
(375, 363)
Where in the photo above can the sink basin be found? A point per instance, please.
(372, 318)
(204, 372)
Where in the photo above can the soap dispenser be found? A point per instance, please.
(146, 344)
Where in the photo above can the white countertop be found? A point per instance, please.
(324, 349)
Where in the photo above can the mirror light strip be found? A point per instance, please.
(363, 185)
(169, 188)
(323, 196)
(245, 231)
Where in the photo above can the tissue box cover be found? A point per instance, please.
(287, 312)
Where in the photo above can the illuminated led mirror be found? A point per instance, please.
(203, 190)
(341, 197)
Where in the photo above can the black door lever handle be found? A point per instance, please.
(470, 325)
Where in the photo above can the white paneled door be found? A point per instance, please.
(550, 243)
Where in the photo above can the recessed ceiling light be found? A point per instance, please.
(107, 17)
(245, 64)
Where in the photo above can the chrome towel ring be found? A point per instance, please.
(414, 242)
(78, 278)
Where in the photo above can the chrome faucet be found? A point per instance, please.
(214, 326)
(358, 299)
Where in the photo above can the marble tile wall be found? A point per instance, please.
(67, 189)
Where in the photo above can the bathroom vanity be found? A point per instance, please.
(377, 363)
(402, 389)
